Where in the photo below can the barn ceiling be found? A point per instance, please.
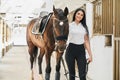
(19, 11)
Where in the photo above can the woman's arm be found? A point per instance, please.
(88, 48)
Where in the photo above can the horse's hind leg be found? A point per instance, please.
(58, 61)
(33, 54)
(42, 51)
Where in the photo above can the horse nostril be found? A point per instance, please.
(62, 48)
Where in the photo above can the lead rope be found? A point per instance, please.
(65, 69)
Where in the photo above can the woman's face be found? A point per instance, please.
(79, 16)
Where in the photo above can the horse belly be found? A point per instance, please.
(38, 41)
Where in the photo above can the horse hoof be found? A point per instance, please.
(47, 76)
(57, 76)
(32, 77)
(41, 77)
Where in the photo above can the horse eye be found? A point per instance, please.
(66, 20)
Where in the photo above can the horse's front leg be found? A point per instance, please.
(58, 61)
(42, 51)
(48, 66)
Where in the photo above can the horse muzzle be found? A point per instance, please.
(60, 47)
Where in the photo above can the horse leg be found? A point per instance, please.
(58, 61)
(48, 66)
(33, 53)
(31, 61)
(42, 51)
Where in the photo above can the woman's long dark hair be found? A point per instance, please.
(83, 21)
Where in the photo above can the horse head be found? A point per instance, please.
(60, 28)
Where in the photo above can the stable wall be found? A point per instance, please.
(102, 66)
(5, 38)
(19, 36)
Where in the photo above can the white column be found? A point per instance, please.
(0, 38)
(89, 17)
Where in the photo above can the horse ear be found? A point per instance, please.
(66, 11)
(54, 10)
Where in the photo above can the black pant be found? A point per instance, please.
(76, 52)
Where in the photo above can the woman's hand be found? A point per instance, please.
(89, 59)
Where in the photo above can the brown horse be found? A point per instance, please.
(53, 38)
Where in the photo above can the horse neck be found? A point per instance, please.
(50, 25)
(49, 30)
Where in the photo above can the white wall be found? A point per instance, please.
(102, 66)
(49, 5)
(19, 36)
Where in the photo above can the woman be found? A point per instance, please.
(78, 40)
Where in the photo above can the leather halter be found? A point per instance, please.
(61, 37)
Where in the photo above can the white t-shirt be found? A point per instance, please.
(76, 33)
